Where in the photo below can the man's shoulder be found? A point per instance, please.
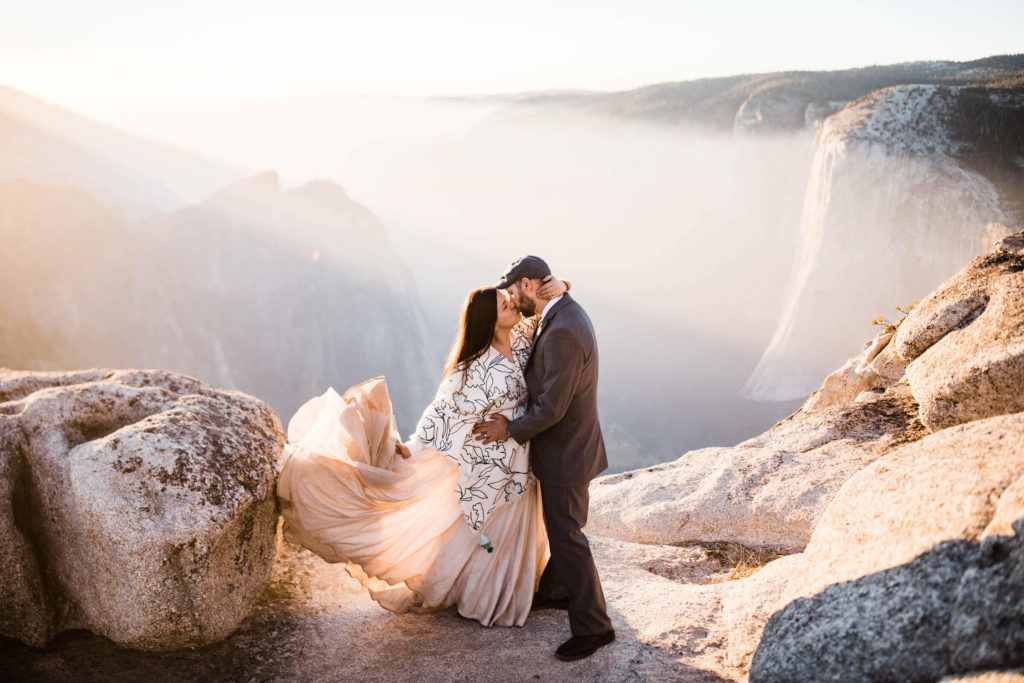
(575, 307)
(573, 318)
(573, 311)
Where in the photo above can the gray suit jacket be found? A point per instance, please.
(561, 424)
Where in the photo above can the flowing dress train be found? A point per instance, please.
(416, 531)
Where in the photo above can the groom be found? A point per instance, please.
(566, 450)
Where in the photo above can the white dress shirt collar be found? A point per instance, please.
(549, 305)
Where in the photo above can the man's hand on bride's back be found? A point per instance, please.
(552, 288)
(402, 450)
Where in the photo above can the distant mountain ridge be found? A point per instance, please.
(781, 101)
(50, 145)
(118, 251)
(256, 289)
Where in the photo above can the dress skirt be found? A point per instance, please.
(397, 523)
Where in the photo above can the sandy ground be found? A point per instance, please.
(316, 623)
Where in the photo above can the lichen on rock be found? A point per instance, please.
(140, 506)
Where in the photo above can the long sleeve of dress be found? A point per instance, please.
(522, 339)
(489, 474)
(443, 425)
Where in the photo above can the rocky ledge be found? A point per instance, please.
(875, 534)
(896, 494)
(138, 505)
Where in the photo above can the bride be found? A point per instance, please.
(441, 519)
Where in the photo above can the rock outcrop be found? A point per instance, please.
(901, 505)
(768, 491)
(902, 482)
(855, 378)
(136, 504)
(965, 344)
(916, 568)
(954, 608)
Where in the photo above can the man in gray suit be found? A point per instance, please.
(566, 451)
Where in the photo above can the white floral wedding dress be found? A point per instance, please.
(457, 523)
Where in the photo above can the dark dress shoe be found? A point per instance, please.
(579, 647)
(540, 603)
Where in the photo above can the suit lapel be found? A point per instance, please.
(544, 324)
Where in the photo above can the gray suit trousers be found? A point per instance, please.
(571, 571)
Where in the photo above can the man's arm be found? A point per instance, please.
(561, 376)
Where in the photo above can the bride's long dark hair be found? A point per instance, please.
(476, 329)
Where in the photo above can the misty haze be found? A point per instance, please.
(675, 238)
(700, 245)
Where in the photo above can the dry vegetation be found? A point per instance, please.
(740, 559)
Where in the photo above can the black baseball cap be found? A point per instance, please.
(532, 267)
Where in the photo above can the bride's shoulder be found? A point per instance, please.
(466, 374)
(463, 388)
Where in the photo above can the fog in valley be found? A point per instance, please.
(366, 220)
(677, 240)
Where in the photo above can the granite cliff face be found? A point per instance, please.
(891, 208)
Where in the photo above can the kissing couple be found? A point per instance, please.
(483, 507)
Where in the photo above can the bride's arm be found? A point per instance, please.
(454, 405)
(521, 339)
(553, 288)
(524, 329)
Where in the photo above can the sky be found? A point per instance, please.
(120, 55)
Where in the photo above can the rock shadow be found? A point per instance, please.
(956, 608)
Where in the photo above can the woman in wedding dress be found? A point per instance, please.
(442, 519)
